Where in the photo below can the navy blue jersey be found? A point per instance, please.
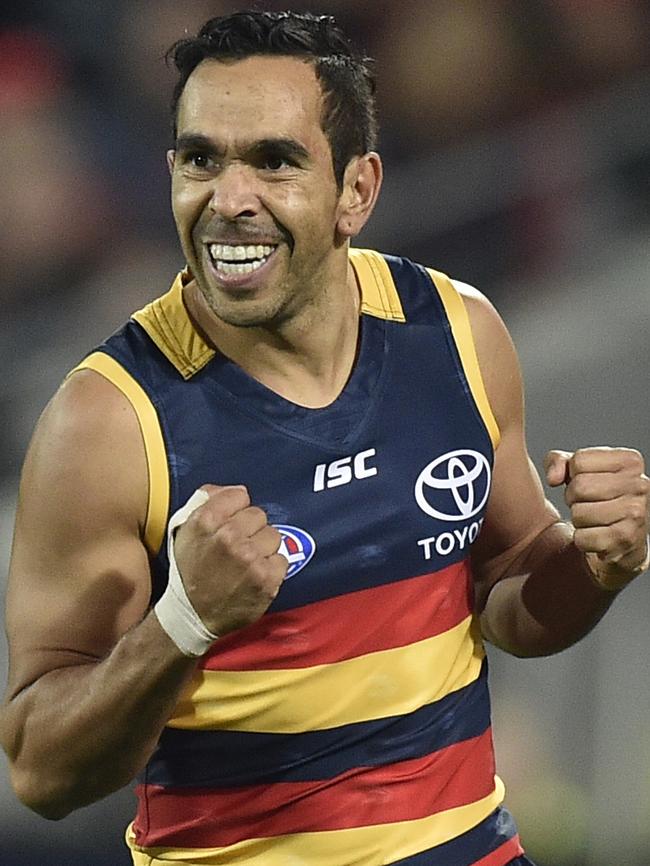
(351, 723)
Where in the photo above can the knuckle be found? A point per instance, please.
(580, 515)
(257, 512)
(206, 518)
(227, 534)
(580, 539)
(278, 566)
(273, 535)
(590, 540)
(248, 555)
(633, 460)
(578, 520)
(234, 496)
(201, 523)
(624, 537)
(570, 496)
(637, 511)
(579, 461)
(239, 499)
(579, 487)
(620, 533)
(265, 570)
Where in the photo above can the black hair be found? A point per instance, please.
(349, 118)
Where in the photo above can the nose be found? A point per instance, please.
(235, 193)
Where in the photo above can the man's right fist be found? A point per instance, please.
(227, 556)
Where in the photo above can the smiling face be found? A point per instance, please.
(259, 215)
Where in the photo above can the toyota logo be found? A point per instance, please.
(454, 486)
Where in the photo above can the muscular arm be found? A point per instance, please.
(535, 592)
(93, 677)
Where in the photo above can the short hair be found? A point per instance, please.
(349, 118)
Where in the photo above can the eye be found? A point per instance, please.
(198, 160)
(274, 162)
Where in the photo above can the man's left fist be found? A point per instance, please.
(607, 492)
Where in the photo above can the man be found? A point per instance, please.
(297, 675)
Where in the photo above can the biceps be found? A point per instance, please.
(71, 607)
(79, 575)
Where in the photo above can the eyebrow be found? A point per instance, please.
(284, 147)
(196, 141)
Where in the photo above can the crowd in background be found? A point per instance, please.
(84, 95)
(516, 136)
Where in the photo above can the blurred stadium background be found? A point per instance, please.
(516, 136)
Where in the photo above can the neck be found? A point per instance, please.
(306, 359)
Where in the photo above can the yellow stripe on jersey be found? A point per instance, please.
(386, 683)
(358, 845)
(168, 324)
(379, 296)
(154, 445)
(462, 331)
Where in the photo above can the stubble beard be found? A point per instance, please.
(244, 313)
(285, 301)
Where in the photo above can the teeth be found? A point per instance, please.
(224, 253)
(239, 267)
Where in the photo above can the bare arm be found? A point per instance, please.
(535, 589)
(93, 677)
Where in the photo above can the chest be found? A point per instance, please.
(388, 483)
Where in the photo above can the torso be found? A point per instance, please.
(352, 721)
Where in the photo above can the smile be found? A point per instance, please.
(239, 260)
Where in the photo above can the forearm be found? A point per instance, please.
(546, 600)
(81, 732)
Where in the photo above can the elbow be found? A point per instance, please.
(49, 811)
(54, 796)
(533, 643)
(42, 798)
(48, 797)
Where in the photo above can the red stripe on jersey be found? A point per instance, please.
(503, 854)
(212, 818)
(348, 626)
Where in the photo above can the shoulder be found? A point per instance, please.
(496, 354)
(87, 453)
(87, 404)
(487, 324)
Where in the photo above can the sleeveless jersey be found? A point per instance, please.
(349, 725)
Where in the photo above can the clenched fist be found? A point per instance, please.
(227, 556)
(607, 492)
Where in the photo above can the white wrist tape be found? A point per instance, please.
(174, 609)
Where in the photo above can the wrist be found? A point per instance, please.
(182, 625)
(612, 577)
(174, 611)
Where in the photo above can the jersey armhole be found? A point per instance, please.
(154, 444)
(461, 330)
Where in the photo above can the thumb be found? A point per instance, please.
(556, 467)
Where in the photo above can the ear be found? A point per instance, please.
(170, 160)
(361, 185)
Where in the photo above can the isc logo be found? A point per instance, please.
(342, 471)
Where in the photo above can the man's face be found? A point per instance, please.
(253, 189)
